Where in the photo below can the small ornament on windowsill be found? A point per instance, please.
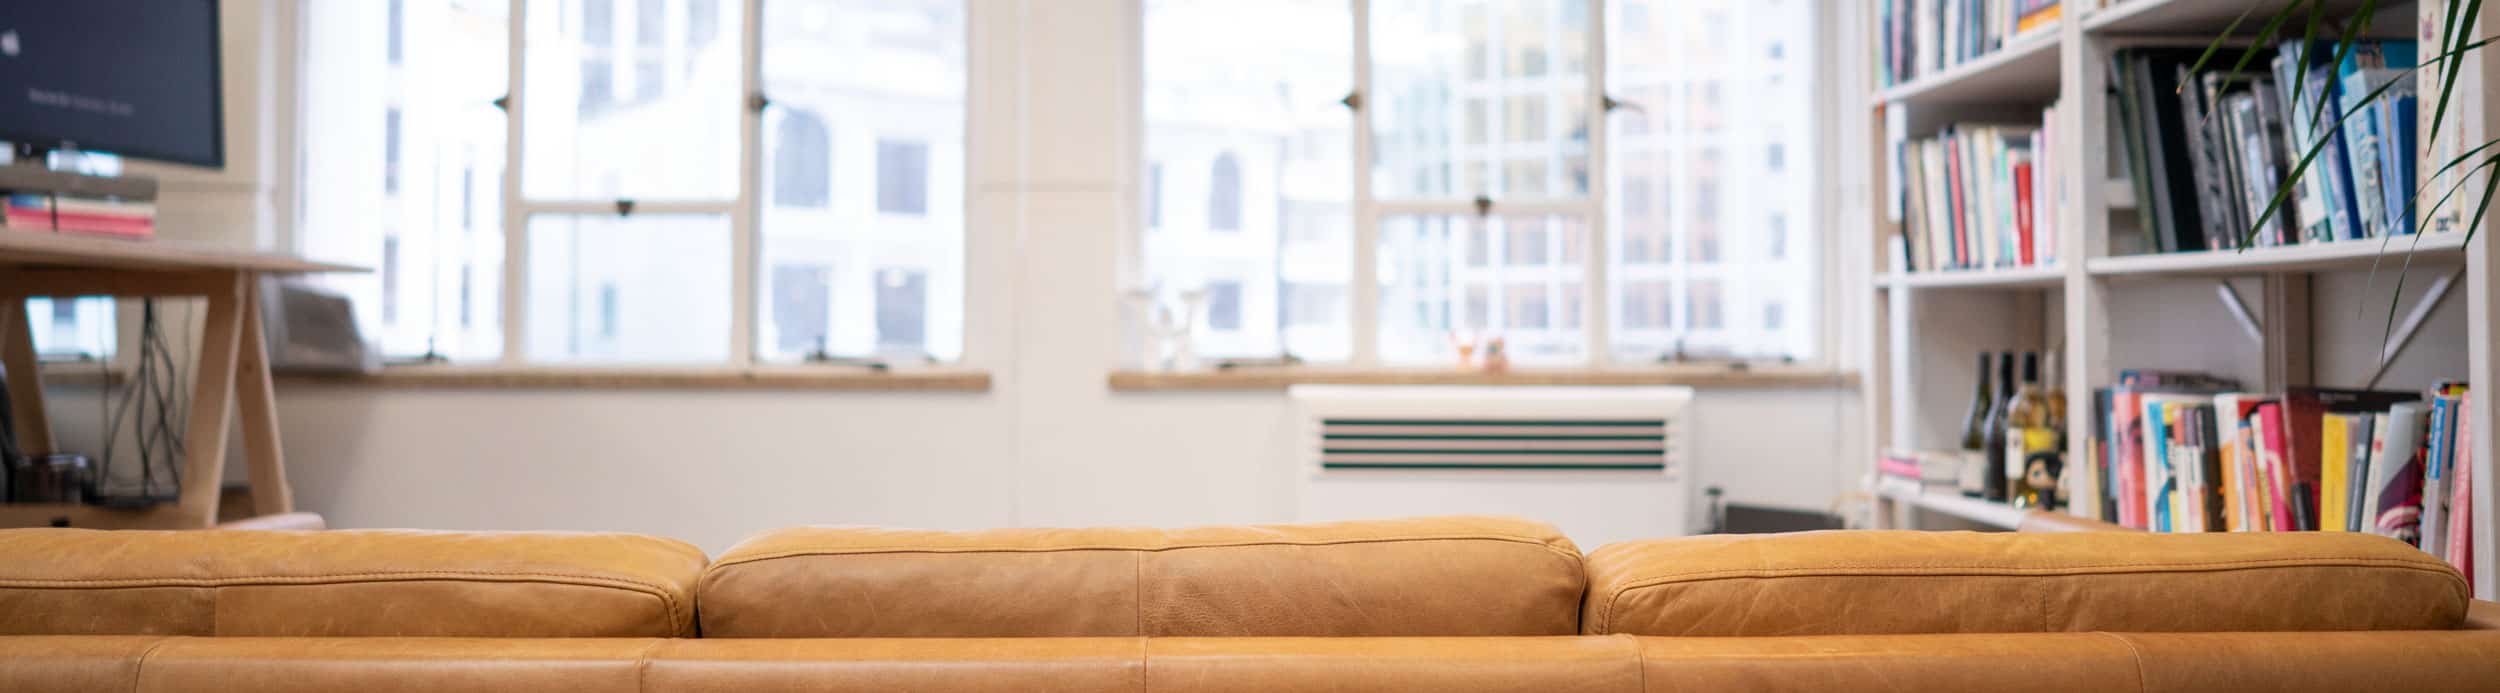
(1496, 358)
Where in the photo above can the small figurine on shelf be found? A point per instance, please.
(1466, 348)
(2042, 472)
(1496, 359)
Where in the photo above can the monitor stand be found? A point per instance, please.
(29, 174)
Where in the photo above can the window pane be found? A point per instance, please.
(649, 288)
(643, 111)
(1432, 297)
(1704, 188)
(1432, 85)
(71, 329)
(864, 230)
(1252, 159)
(409, 176)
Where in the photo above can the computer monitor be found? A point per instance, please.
(137, 78)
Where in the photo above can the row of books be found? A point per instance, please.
(2186, 452)
(1980, 196)
(110, 217)
(1923, 37)
(2207, 152)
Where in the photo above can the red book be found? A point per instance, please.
(2022, 210)
(115, 225)
(2127, 417)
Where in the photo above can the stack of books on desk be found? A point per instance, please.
(100, 216)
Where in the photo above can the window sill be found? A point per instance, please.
(1279, 378)
(657, 378)
(79, 374)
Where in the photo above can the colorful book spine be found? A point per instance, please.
(2460, 551)
(2270, 455)
(2334, 446)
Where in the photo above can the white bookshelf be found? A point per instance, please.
(2269, 316)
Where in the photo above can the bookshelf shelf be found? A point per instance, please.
(2024, 71)
(1998, 515)
(2359, 254)
(2012, 278)
(2195, 17)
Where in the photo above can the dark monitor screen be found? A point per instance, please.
(131, 77)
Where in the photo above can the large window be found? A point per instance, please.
(619, 238)
(1498, 181)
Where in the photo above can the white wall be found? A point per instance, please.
(1053, 185)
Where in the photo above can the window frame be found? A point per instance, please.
(1596, 320)
(743, 209)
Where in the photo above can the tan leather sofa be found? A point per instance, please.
(1438, 604)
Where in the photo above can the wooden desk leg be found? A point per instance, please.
(212, 391)
(258, 404)
(17, 354)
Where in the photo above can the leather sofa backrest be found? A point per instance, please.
(1861, 582)
(345, 583)
(1424, 576)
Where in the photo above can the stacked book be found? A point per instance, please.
(103, 216)
(2207, 152)
(1923, 37)
(2186, 452)
(1979, 196)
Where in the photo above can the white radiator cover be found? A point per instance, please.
(1605, 464)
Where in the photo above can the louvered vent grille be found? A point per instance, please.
(1629, 444)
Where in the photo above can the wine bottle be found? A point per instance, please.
(1994, 482)
(2027, 431)
(1975, 432)
(1983, 398)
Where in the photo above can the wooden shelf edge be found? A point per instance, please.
(626, 378)
(1278, 379)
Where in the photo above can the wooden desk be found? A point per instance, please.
(231, 376)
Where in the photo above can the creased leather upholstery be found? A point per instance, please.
(1427, 576)
(345, 583)
(1862, 582)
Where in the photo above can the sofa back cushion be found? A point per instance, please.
(345, 583)
(1429, 576)
(1862, 582)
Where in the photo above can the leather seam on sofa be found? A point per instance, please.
(2134, 654)
(870, 550)
(139, 665)
(2463, 592)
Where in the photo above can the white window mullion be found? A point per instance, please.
(516, 242)
(746, 243)
(1595, 319)
(1365, 291)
